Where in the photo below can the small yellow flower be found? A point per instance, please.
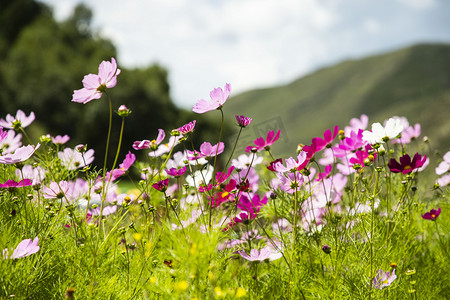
(218, 291)
(137, 236)
(152, 279)
(240, 292)
(181, 286)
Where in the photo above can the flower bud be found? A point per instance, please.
(123, 111)
(326, 249)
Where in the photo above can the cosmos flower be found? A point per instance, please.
(383, 279)
(380, 134)
(20, 155)
(265, 253)
(444, 165)
(206, 151)
(292, 164)
(262, 144)
(20, 120)
(12, 184)
(95, 85)
(153, 144)
(218, 97)
(405, 165)
(432, 214)
(25, 248)
(328, 137)
(73, 159)
(56, 190)
(161, 185)
(187, 128)
(59, 140)
(243, 121)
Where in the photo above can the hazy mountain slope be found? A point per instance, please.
(412, 82)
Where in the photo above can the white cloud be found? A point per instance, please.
(418, 4)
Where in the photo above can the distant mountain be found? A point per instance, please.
(412, 82)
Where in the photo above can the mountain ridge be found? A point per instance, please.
(413, 82)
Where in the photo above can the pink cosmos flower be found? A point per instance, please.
(174, 172)
(60, 140)
(251, 206)
(409, 134)
(328, 137)
(406, 165)
(291, 182)
(206, 151)
(12, 184)
(351, 143)
(218, 97)
(357, 124)
(11, 142)
(153, 144)
(262, 144)
(383, 279)
(432, 214)
(187, 128)
(94, 85)
(123, 167)
(292, 164)
(36, 174)
(243, 121)
(20, 155)
(265, 253)
(73, 159)
(325, 173)
(20, 120)
(56, 190)
(25, 248)
(444, 165)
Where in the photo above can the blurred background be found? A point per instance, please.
(299, 66)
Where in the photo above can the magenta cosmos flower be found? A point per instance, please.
(328, 137)
(187, 128)
(406, 165)
(243, 121)
(432, 214)
(20, 120)
(94, 85)
(20, 155)
(262, 144)
(218, 98)
(60, 140)
(12, 184)
(25, 248)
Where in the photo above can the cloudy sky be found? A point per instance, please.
(256, 43)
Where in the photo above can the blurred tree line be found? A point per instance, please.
(43, 61)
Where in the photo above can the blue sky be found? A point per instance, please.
(256, 43)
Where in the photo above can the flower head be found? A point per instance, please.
(20, 120)
(263, 254)
(26, 248)
(383, 279)
(94, 85)
(432, 214)
(73, 159)
(161, 185)
(12, 184)
(243, 121)
(20, 155)
(405, 165)
(187, 128)
(218, 97)
(380, 134)
(59, 140)
(262, 144)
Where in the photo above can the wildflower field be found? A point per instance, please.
(361, 212)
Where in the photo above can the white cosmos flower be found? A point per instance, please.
(380, 134)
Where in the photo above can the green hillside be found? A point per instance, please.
(412, 82)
